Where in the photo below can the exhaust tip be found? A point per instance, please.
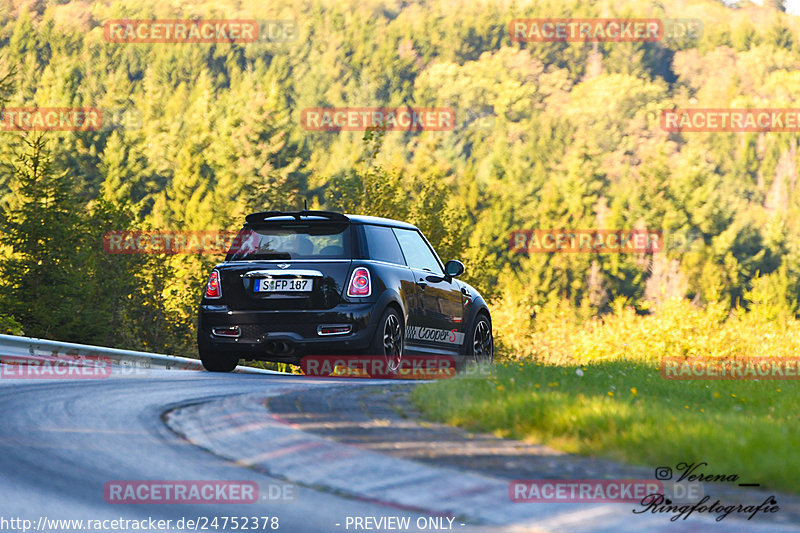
(279, 348)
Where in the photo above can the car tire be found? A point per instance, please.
(480, 343)
(217, 362)
(389, 340)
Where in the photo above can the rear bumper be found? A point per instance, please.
(285, 336)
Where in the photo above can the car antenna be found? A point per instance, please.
(305, 205)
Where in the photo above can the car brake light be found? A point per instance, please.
(360, 284)
(213, 287)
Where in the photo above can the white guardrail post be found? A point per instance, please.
(16, 348)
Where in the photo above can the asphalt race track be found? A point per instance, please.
(62, 442)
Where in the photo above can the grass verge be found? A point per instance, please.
(626, 411)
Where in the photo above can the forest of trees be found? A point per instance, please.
(548, 135)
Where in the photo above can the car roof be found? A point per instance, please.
(318, 216)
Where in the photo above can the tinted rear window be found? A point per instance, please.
(383, 245)
(292, 241)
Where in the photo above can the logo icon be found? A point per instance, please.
(284, 265)
(663, 473)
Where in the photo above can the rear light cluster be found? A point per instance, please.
(213, 287)
(360, 283)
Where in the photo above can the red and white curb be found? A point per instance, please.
(242, 430)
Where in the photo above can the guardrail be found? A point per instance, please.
(15, 347)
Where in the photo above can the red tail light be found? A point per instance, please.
(213, 287)
(360, 284)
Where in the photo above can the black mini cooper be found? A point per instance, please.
(320, 283)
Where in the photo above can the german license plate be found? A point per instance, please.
(283, 285)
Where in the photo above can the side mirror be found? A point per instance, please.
(454, 268)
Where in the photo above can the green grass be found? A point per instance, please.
(626, 411)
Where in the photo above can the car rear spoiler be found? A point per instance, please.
(264, 215)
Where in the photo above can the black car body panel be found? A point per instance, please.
(285, 290)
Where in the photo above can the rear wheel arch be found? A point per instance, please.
(485, 312)
(390, 298)
(397, 307)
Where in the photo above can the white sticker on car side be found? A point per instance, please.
(435, 335)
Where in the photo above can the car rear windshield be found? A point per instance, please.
(291, 241)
